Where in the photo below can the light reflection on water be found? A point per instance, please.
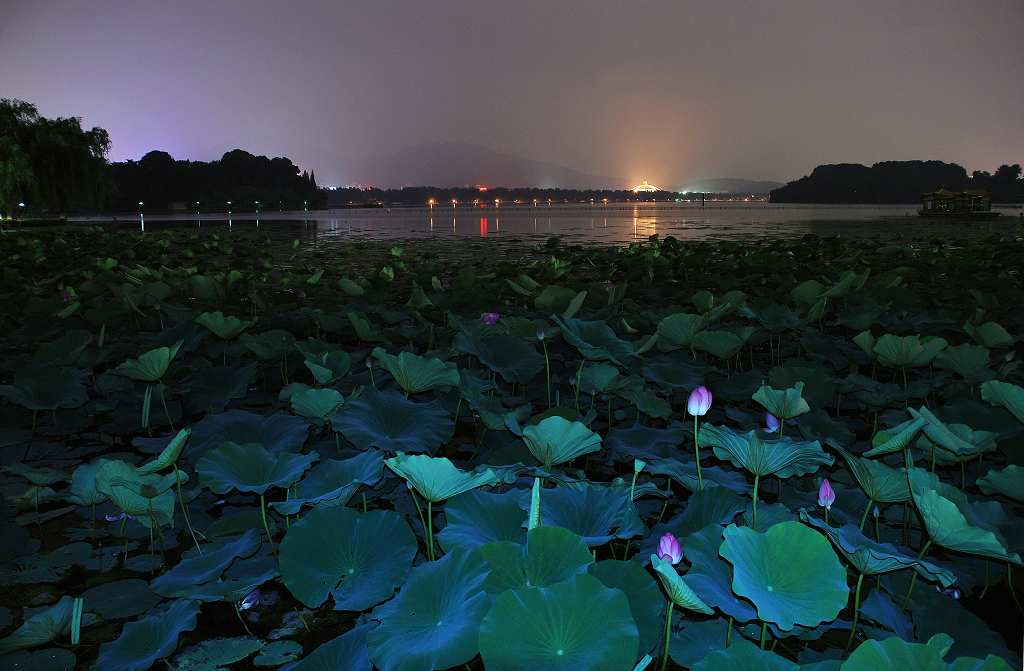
(613, 223)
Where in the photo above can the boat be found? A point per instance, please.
(969, 204)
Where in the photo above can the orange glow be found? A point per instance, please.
(483, 227)
(431, 202)
(454, 202)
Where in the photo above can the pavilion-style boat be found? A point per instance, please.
(971, 204)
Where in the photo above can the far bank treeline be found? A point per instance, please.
(897, 182)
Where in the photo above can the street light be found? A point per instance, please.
(305, 206)
(229, 207)
(257, 205)
(140, 206)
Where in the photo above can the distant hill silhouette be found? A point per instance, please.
(451, 164)
(896, 182)
(730, 185)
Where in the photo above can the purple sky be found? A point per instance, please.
(667, 90)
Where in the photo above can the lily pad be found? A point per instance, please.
(782, 457)
(332, 482)
(881, 483)
(512, 358)
(192, 571)
(678, 591)
(213, 654)
(742, 655)
(1007, 395)
(783, 403)
(1009, 482)
(41, 628)
(646, 602)
(478, 517)
(595, 513)
(345, 653)
(46, 388)
(277, 432)
(225, 327)
(149, 366)
(120, 599)
(389, 421)
(317, 405)
(145, 641)
(250, 468)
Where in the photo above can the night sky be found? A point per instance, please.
(669, 90)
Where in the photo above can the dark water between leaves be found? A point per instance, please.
(614, 223)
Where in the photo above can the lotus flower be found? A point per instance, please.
(699, 402)
(490, 318)
(876, 512)
(669, 549)
(771, 422)
(65, 295)
(251, 600)
(951, 592)
(118, 517)
(826, 495)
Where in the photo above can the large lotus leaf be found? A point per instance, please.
(329, 366)
(696, 640)
(722, 344)
(596, 378)
(685, 473)
(512, 358)
(1009, 482)
(646, 602)
(551, 554)
(46, 388)
(634, 390)
(710, 576)
(952, 521)
(169, 455)
(960, 441)
(41, 628)
(679, 329)
(415, 373)
(436, 478)
(214, 654)
(742, 655)
(120, 599)
(596, 340)
(678, 591)
(197, 569)
(576, 624)
(345, 653)
(150, 366)
(896, 438)
(240, 579)
(478, 517)
(316, 405)
(250, 468)
(332, 482)
(711, 505)
(783, 403)
(677, 370)
(595, 513)
(872, 558)
(1007, 395)
(907, 351)
(644, 442)
(990, 334)
(224, 327)
(271, 345)
(49, 659)
(895, 653)
(389, 421)
(967, 361)
(278, 432)
(147, 497)
(358, 558)
(556, 440)
(881, 483)
(434, 621)
(782, 457)
(790, 572)
(149, 639)
(211, 389)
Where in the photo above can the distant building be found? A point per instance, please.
(944, 203)
(644, 187)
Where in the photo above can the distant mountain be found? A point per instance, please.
(730, 185)
(450, 164)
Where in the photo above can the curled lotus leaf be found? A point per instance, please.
(676, 588)
(783, 403)
(782, 457)
(1009, 396)
(895, 439)
(223, 326)
(150, 366)
(555, 440)
(881, 483)
(437, 478)
(1009, 482)
(250, 468)
(415, 373)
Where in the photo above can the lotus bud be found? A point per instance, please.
(826, 495)
(540, 334)
(251, 600)
(669, 549)
(876, 512)
(116, 518)
(490, 318)
(699, 402)
(638, 465)
(951, 592)
(771, 422)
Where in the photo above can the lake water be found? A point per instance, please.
(613, 223)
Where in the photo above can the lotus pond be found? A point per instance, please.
(224, 452)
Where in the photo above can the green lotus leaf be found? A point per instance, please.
(990, 334)
(556, 440)
(271, 345)
(434, 621)
(213, 654)
(1009, 482)
(332, 482)
(512, 358)
(83, 489)
(595, 513)
(958, 440)
(790, 572)
(895, 439)
(575, 624)
(150, 366)
(722, 344)
(389, 421)
(47, 388)
(696, 640)
(478, 517)
(742, 655)
(120, 599)
(881, 483)
(908, 351)
(145, 641)
(597, 377)
(676, 588)
(415, 373)
(782, 457)
(329, 367)
(710, 576)
(635, 390)
(551, 554)
(866, 341)
(224, 327)
(895, 653)
(250, 468)
(783, 403)
(197, 569)
(278, 432)
(436, 478)
(44, 626)
(147, 497)
(953, 522)
(210, 389)
(317, 405)
(679, 329)
(49, 659)
(1004, 394)
(39, 476)
(872, 558)
(169, 455)
(344, 653)
(646, 602)
(596, 340)
(369, 555)
(968, 361)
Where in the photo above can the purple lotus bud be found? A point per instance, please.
(699, 402)
(951, 592)
(771, 422)
(490, 318)
(251, 600)
(826, 496)
(115, 518)
(876, 512)
(65, 295)
(669, 549)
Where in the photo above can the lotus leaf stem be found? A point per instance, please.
(668, 636)
(864, 517)
(547, 368)
(1009, 584)
(913, 578)
(240, 618)
(263, 516)
(728, 633)
(419, 511)
(184, 509)
(167, 413)
(430, 530)
(757, 481)
(696, 453)
(764, 633)
(856, 611)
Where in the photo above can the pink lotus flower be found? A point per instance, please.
(771, 422)
(490, 318)
(669, 549)
(65, 295)
(699, 401)
(826, 495)
(251, 600)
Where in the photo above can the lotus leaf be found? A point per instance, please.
(269, 345)
(990, 334)
(278, 432)
(710, 576)
(596, 340)
(960, 441)
(213, 654)
(646, 602)
(881, 483)
(782, 457)
(250, 468)
(389, 421)
(169, 455)
(41, 628)
(149, 639)
(332, 482)
(895, 439)
(224, 327)
(46, 388)
(197, 569)
(1007, 395)
(317, 405)
(679, 329)
(120, 599)
(415, 374)
(1009, 482)
(436, 478)
(556, 440)
(967, 361)
(595, 513)
(344, 653)
(150, 366)
(743, 655)
(512, 358)
(907, 351)
(783, 403)
(675, 586)
(478, 517)
(551, 554)
(894, 653)
(147, 497)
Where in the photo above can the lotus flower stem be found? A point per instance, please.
(764, 633)
(782, 425)
(167, 413)
(985, 590)
(696, 453)
(856, 611)
(547, 367)
(864, 517)
(1009, 584)
(184, 508)
(263, 516)
(668, 635)
(913, 578)
(728, 633)
(963, 476)
(430, 530)
(877, 535)
(419, 511)
(757, 481)
(579, 376)
(240, 619)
